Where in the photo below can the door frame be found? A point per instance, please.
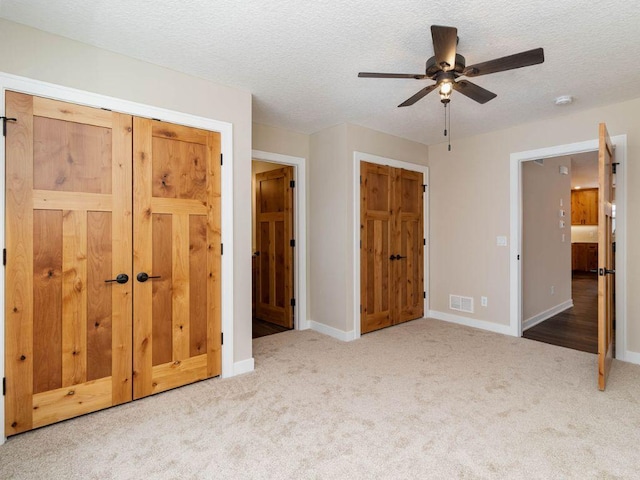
(300, 320)
(66, 94)
(414, 167)
(515, 266)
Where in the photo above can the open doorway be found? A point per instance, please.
(278, 244)
(560, 250)
(618, 226)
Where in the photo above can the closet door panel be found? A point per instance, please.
(177, 250)
(376, 230)
(409, 244)
(67, 234)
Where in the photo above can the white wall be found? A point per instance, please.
(470, 207)
(38, 55)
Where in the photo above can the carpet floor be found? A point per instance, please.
(421, 400)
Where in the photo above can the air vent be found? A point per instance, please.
(462, 304)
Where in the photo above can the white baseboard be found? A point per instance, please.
(332, 332)
(547, 314)
(471, 322)
(243, 366)
(631, 357)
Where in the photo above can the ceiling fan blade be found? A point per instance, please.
(445, 40)
(417, 76)
(518, 60)
(473, 91)
(422, 93)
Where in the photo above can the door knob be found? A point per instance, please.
(398, 257)
(144, 276)
(121, 278)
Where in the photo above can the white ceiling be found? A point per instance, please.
(300, 60)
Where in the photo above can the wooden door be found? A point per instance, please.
(391, 231)
(68, 219)
(605, 257)
(408, 242)
(376, 225)
(274, 233)
(177, 316)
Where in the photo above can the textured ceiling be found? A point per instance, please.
(300, 60)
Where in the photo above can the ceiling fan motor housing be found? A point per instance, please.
(433, 68)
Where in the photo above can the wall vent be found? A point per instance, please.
(460, 303)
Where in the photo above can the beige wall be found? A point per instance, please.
(331, 214)
(546, 255)
(278, 140)
(470, 207)
(38, 55)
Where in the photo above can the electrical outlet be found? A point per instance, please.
(483, 301)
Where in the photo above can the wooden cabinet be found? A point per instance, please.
(584, 256)
(584, 207)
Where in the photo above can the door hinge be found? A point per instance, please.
(293, 302)
(221, 248)
(4, 257)
(518, 258)
(424, 294)
(424, 188)
(221, 338)
(292, 242)
(424, 241)
(292, 183)
(4, 124)
(4, 386)
(221, 159)
(614, 167)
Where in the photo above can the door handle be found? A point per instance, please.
(120, 278)
(399, 257)
(396, 257)
(144, 276)
(605, 271)
(392, 257)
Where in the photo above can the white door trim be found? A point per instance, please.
(301, 321)
(414, 167)
(58, 92)
(620, 145)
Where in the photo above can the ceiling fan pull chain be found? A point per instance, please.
(449, 127)
(445, 119)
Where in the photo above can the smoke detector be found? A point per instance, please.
(563, 100)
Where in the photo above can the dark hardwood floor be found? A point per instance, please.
(576, 327)
(262, 328)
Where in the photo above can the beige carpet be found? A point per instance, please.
(422, 400)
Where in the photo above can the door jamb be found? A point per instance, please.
(300, 319)
(515, 270)
(66, 94)
(366, 157)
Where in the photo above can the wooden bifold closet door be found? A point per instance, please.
(392, 246)
(71, 286)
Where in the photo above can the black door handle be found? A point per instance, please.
(392, 257)
(144, 276)
(120, 278)
(398, 257)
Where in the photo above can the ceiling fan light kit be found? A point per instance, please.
(446, 66)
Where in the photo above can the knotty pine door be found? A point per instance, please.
(391, 232)
(176, 233)
(274, 231)
(70, 285)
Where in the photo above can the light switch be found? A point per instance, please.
(501, 241)
(561, 223)
(561, 213)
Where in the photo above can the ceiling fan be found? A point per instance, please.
(446, 66)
